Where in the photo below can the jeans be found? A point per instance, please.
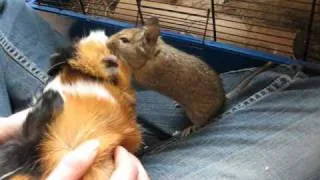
(270, 130)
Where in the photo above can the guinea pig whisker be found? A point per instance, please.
(10, 173)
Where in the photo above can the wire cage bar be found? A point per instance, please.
(285, 27)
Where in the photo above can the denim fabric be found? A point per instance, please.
(2, 5)
(5, 108)
(26, 42)
(270, 136)
(270, 130)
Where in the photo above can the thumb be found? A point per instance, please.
(74, 165)
(125, 167)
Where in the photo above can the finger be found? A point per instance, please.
(124, 166)
(19, 117)
(12, 124)
(142, 173)
(74, 165)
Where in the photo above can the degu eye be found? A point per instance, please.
(124, 40)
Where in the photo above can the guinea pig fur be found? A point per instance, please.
(89, 97)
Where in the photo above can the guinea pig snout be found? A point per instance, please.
(110, 61)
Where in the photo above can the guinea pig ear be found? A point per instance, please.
(45, 110)
(152, 30)
(60, 59)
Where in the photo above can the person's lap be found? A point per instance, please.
(5, 108)
(272, 135)
(275, 137)
(26, 43)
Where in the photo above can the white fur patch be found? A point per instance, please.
(95, 36)
(80, 88)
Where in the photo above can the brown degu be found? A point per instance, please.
(160, 67)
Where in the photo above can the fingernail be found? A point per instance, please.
(89, 146)
(84, 153)
(121, 155)
(123, 151)
(88, 149)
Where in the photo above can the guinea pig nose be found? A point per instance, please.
(110, 61)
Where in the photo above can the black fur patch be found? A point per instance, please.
(22, 153)
(47, 107)
(60, 59)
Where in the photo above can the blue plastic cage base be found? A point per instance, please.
(222, 57)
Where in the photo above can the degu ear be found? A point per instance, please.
(60, 59)
(152, 21)
(152, 30)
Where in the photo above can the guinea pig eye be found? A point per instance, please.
(124, 40)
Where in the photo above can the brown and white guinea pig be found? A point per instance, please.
(88, 98)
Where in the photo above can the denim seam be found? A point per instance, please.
(278, 84)
(239, 70)
(297, 76)
(22, 60)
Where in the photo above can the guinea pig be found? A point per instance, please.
(88, 97)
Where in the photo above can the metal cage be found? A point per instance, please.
(289, 28)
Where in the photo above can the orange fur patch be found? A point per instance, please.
(89, 61)
(21, 177)
(87, 117)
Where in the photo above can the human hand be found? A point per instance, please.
(128, 167)
(11, 125)
(75, 164)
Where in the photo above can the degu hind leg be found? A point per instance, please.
(189, 130)
(198, 121)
